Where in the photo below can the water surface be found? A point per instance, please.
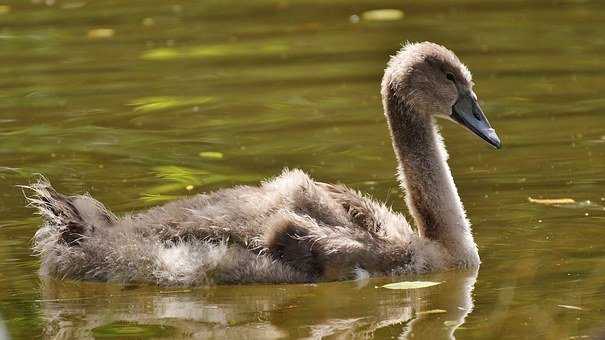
(143, 102)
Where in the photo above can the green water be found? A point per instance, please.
(185, 97)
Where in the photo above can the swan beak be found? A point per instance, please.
(467, 112)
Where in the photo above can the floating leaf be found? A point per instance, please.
(5, 9)
(211, 154)
(382, 15)
(552, 201)
(411, 284)
(150, 104)
(432, 311)
(570, 307)
(189, 187)
(101, 33)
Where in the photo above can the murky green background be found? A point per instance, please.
(185, 97)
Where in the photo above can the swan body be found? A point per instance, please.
(290, 228)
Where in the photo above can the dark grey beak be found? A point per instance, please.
(468, 113)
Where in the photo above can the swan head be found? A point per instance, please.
(432, 81)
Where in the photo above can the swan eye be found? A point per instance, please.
(450, 77)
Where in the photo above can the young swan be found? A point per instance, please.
(291, 228)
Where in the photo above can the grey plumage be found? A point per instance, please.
(290, 228)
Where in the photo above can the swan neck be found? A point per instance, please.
(431, 194)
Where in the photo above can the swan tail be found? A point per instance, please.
(66, 219)
(80, 239)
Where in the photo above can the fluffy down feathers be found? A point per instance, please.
(289, 229)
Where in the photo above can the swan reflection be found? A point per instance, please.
(340, 309)
(3, 331)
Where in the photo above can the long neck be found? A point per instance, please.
(431, 195)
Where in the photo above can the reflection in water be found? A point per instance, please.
(294, 83)
(456, 299)
(3, 331)
(86, 310)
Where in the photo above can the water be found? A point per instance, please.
(183, 97)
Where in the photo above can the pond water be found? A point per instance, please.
(142, 102)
